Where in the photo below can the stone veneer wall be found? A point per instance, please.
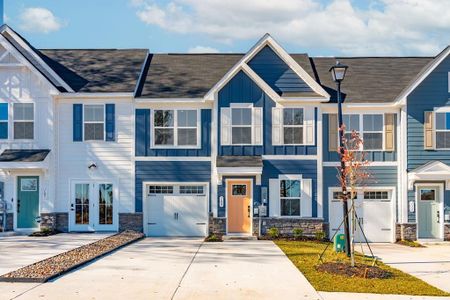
(9, 226)
(446, 232)
(131, 221)
(406, 231)
(55, 221)
(217, 225)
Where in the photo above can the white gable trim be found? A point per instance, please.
(424, 74)
(435, 171)
(19, 40)
(267, 40)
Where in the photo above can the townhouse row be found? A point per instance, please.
(188, 144)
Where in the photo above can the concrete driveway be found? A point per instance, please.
(431, 264)
(179, 269)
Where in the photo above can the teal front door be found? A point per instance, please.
(27, 201)
(428, 212)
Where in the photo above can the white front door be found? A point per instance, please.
(93, 206)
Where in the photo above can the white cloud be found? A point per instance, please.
(40, 20)
(203, 49)
(387, 27)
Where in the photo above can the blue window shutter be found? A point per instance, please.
(110, 122)
(77, 122)
(3, 121)
(142, 131)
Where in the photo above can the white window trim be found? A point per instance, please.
(444, 109)
(298, 177)
(12, 121)
(95, 122)
(241, 106)
(283, 126)
(361, 130)
(175, 130)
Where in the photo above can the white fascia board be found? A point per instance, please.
(165, 100)
(69, 96)
(38, 59)
(437, 61)
(43, 165)
(239, 170)
(261, 83)
(304, 99)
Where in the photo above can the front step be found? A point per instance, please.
(239, 238)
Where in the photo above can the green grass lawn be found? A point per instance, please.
(305, 255)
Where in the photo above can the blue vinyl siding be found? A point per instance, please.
(169, 171)
(431, 93)
(379, 176)
(110, 125)
(143, 142)
(77, 122)
(276, 73)
(370, 155)
(242, 89)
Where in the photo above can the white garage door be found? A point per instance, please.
(374, 210)
(176, 210)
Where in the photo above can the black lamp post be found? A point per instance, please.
(338, 73)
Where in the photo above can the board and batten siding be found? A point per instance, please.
(143, 133)
(276, 73)
(242, 89)
(113, 158)
(378, 176)
(370, 155)
(169, 171)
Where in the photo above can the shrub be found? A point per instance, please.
(273, 233)
(213, 238)
(319, 235)
(297, 233)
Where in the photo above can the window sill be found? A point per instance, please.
(174, 147)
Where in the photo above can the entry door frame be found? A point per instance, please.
(251, 201)
(92, 191)
(16, 196)
(440, 186)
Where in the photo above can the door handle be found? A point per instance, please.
(248, 209)
(175, 216)
(18, 205)
(438, 216)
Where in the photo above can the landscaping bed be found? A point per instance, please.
(57, 265)
(305, 254)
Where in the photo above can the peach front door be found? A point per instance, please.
(238, 194)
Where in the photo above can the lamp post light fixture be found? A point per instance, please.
(338, 72)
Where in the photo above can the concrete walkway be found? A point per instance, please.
(178, 269)
(431, 264)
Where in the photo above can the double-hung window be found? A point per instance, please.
(23, 116)
(443, 130)
(94, 122)
(368, 126)
(3, 121)
(175, 128)
(351, 123)
(241, 126)
(290, 195)
(293, 126)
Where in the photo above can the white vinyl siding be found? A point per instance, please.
(175, 128)
(23, 116)
(293, 126)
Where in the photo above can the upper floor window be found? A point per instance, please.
(293, 126)
(3, 121)
(443, 130)
(23, 119)
(175, 128)
(94, 122)
(368, 126)
(241, 126)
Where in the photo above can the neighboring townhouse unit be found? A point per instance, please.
(189, 144)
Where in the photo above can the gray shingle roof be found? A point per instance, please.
(21, 155)
(99, 70)
(239, 161)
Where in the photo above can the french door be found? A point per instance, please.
(93, 206)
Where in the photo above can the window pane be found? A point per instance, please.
(23, 111)
(443, 139)
(239, 190)
(160, 189)
(290, 207)
(293, 116)
(447, 122)
(427, 194)
(82, 203)
(187, 136)
(373, 141)
(289, 188)
(105, 204)
(163, 118)
(23, 130)
(373, 122)
(94, 113)
(241, 116)
(191, 189)
(164, 137)
(351, 122)
(187, 118)
(94, 131)
(3, 130)
(440, 121)
(293, 135)
(3, 111)
(241, 135)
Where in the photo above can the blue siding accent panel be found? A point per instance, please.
(221, 191)
(242, 89)
(370, 155)
(110, 122)
(431, 93)
(143, 142)
(379, 176)
(169, 171)
(77, 122)
(276, 73)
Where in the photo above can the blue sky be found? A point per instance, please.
(319, 27)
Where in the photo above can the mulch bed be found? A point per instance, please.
(57, 265)
(359, 270)
(45, 233)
